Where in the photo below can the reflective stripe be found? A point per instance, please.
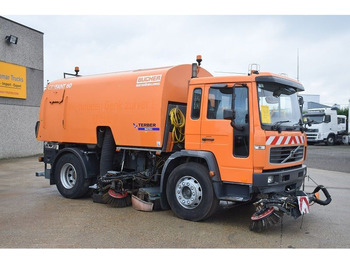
(269, 140)
(284, 140)
(279, 141)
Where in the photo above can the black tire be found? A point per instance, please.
(69, 177)
(190, 192)
(330, 140)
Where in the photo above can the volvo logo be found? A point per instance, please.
(291, 154)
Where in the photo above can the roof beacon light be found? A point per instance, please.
(253, 69)
(199, 60)
(76, 69)
(195, 67)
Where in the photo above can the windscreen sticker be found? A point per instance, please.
(146, 127)
(265, 114)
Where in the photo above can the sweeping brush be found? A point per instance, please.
(264, 219)
(116, 199)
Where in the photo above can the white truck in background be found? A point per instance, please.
(326, 126)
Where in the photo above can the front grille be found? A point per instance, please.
(311, 130)
(286, 154)
(311, 137)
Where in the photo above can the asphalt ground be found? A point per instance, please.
(35, 215)
(334, 158)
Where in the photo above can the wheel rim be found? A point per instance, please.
(188, 192)
(68, 176)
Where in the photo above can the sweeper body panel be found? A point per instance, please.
(132, 104)
(179, 138)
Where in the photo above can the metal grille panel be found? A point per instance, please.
(286, 154)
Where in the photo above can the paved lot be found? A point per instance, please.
(335, 158)
(35, 215)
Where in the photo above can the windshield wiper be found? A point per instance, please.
(300, 125)
(277, 126)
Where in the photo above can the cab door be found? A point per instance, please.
(231, 146)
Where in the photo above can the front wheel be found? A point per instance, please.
(330, 140)
(69, 177)
(190, 192)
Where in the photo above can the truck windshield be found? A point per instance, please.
(317, 119)
(279, 107)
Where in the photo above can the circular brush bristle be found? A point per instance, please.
(116, 199)
(263, 220)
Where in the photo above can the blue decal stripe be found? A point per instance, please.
(148, 128)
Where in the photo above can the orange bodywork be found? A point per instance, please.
(235, 169)
(133, 104)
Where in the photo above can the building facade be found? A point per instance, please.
(21, 88)
(309, 100)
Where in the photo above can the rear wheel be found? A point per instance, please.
(190, 192)
(69, 177)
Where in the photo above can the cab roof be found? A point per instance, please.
(260, 77)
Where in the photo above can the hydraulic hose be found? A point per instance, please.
(177, 119)
(325, 192)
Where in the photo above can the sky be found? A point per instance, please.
(227, 43)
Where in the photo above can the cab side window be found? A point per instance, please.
(196, 103)
(241, 137)
(219, 100)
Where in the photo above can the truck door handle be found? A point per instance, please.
(207, 139)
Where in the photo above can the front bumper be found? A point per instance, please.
(282, 180)
(315, 137)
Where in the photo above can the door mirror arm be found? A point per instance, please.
(239, 128)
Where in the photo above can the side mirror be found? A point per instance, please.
(301, 103)
(301, 100)
(228, 114)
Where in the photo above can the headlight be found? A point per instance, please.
(270, 179)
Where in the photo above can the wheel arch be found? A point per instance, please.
(88, 160)
(100, 134)
(205, 158)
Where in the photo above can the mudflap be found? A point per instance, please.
(271, 207)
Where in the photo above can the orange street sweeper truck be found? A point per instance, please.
(179, 138)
